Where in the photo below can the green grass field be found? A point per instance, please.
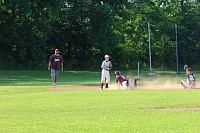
(27, 105)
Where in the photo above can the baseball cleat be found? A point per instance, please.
(106, 86)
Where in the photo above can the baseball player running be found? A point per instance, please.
(124, 81)
(106, 66)
(190, 83)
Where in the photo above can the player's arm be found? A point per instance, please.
(110, 66)
(102, 65)
(118, 84)
(49, 66)
(62, 66)
(50, 60)
(119, 79)
(186, 68)
(192, 82)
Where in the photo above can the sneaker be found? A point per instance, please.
(101, 86)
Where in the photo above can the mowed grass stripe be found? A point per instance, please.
(96, 111)
(27, 105)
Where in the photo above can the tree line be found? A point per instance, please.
(85, 30)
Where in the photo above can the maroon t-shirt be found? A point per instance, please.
(121, 78)
(56, 60)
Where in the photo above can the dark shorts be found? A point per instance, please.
(54, 73)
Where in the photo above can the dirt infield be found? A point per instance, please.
(114, 87)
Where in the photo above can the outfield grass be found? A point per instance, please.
(28, 106)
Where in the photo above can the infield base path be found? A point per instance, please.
(114, 87)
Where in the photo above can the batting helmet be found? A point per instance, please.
(117, 73)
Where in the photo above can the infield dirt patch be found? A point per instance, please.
(114, 87)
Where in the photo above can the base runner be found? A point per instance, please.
(190, 83)
(124, 81)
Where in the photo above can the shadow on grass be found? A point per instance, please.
(74, 78)
(42, 78)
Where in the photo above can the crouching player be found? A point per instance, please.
(190, 83)
(124, 81)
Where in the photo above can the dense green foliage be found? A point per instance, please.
(85, 30)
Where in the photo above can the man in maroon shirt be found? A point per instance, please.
(55, 65)
(124, 81)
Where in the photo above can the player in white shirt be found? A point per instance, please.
(190, 83)
(106, 66)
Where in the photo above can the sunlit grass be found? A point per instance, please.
(27, 105)
(96, 111)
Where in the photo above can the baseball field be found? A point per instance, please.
(29, 103)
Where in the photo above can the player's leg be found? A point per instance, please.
(133, 86)
(53, 76)
(125, 85)
(107, 79)
(118, 84)
(103, 76)
(101, 85)
(56, 76)
(135, 81)
(185, 84)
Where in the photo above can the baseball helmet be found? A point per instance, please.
(117, 73)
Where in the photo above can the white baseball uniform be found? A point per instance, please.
(129, 87)
(186, 84)
(105, 75)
